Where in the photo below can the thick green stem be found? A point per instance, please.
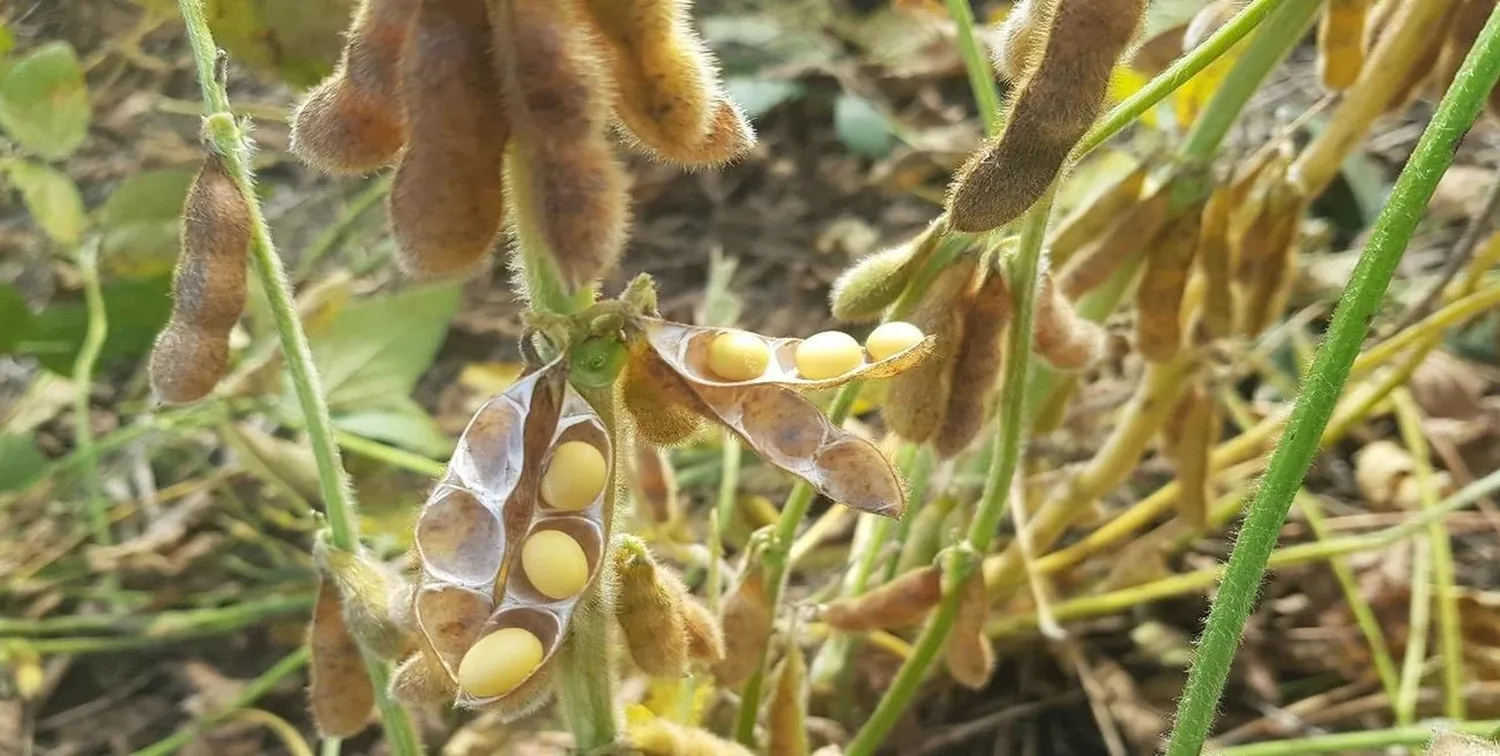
(729, 483)
(1392, 231)
(229, 140)
(585, 670)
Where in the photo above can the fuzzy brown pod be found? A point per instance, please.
(746, 618)
(1207, 21)
(1091, 219)
(969, 656)
(663, 408)
(370, 595)
(705, 637)
(786, 713)
(651, 612)
(902, 602)
(339, 689)
(976, 368)
(688, 349)
(1126, 233)
(1217, 264)
(659, 737)
(917, 400)
(568, 188)
(1266, 257)
(1341, 42)
(1188, 439)
(874, 282)
(208, 288)
(353, 122)
(668, 96)
(653, 486)
(1055, 104)
(1169, 261)
(1064, 339)
(1021, 40)
(448, 198)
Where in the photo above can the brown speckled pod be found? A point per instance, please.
(1062, 338)
(1055, 103)
(917, 400)
(338, 688)
(976, 366)
(354, 122)
(448, 198)
(208, 288)
(900, 603)
(568, 187)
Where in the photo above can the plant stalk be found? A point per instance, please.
(1392, 231)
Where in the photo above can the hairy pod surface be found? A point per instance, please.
(1189, 437)
(969, 656)
(668, 95)
(368, 593)
(448, 198)
(977, 366)
(1094, 217)
(1056, 103)
(1128, 232)
(654, 485)
(874, 282)
(705, 637)
(1062, 338)
(917, 400)
(659, 737)
(354, 122)
(1158, 299)
(786, 715)
(1022, 38)
(746, 617)
(339, 690)
(208, 288)
(569, 189)
(1215, 259)
(651, 613)
(902, 602)
(1341, 42)
(664, 409)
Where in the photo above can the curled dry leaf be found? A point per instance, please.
(448, 198)
(208, 288)
(1169, 260)
(339, 689)
(1056, 102)
(902, 602)
(917, 400)
(568, 186)
(353, 122)
(976, 367)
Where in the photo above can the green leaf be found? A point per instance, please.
(298, 40)
(861, 127)
(52, 198)
(44, 103)
(137, 310)
(20, 462)
(141, 223)
(15, 317)
(377, 348)
(401, 422)
(758, 96)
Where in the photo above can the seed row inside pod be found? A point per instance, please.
(510, 540)
(732, 357)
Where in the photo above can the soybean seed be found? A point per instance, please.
(827, 355)
(555, 564)
(892, 338)
(574, 476)
(499, 662)
(738, 356)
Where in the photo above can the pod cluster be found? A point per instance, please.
(1443, 42)
(679, 375)
(507, 543)
(191, 354)
(499, 111)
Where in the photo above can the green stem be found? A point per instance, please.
(165, 626)
(253, 692)
(1023, 274)
(977, 64)
(1392, 231)
(585, 671)
(729, 483)
(230, 141)
(83, 381)
(776, 556)
(1360, 742)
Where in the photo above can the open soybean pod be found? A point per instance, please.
(567, 186)
(1188, 438)
(916, 401)
(731, 358)
(1215, 259)
(353, 122)
(1056, 103)
(1090, 220)
(339, 689)
(1126, 233)
(668, 95)
(208, 287)
(448, 198)
(1341, 42)
(1169, 261)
